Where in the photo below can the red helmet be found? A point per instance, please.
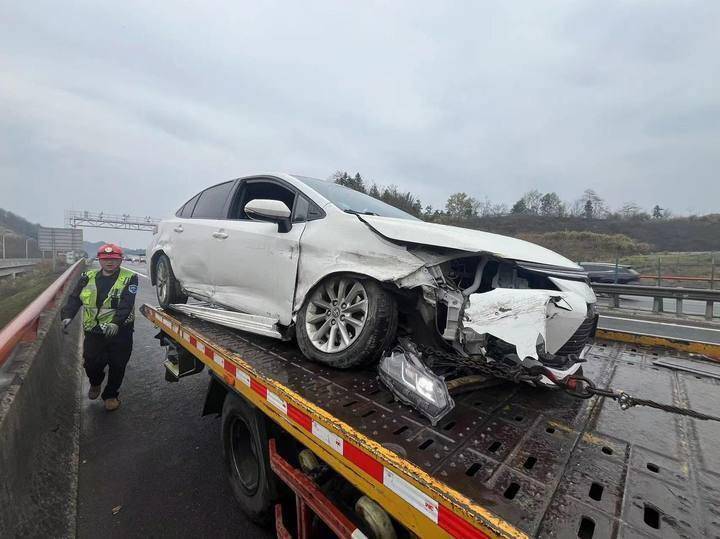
(110, 250)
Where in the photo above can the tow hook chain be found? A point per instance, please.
(583, 388)
(579, 387)
(511, 373)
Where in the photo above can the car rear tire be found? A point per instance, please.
(346, 321)
(247, 460)
(167, 287)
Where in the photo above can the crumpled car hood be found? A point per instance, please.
(464, 239)
(518, 316)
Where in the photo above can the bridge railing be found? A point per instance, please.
(24, 326)
(659, 294)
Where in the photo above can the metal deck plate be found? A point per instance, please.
(552, 465)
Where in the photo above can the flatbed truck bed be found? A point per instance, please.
(509, 460)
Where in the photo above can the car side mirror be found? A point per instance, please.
(275, 211)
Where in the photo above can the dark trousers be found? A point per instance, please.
(115, 353)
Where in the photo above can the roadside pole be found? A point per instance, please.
(617, 261)
(53, 253)
(712, 272)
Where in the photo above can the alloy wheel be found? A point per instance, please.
(162, 281)
(336, 313)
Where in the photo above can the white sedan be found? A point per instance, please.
(347, 275)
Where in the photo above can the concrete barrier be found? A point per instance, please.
(39, 431)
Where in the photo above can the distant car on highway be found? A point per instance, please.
(602, 272)
(345, 273)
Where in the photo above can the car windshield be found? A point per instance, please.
(352, 201)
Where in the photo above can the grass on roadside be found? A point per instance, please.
(16, 294)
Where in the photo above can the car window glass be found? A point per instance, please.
(260, 189)
(301, 210)
(212, 201)
(186, 210)
(352, 201)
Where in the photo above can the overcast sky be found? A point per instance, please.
(133, 107)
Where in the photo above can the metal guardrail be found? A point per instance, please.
(659, 278)
(25, 325)
(11, 266)
(659, 293)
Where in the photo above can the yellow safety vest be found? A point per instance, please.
(92, 316)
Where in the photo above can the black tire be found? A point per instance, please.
(171, 292)
(247, 462)
(377, 334)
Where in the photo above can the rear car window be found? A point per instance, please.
(212, 202)
(187, 209)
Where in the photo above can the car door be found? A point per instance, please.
(255, 265)
(193, 240)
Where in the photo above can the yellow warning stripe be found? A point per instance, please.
(461, 506)
(706, 349)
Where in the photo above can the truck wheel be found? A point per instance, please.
(167, 286)
(245, 448)
(346, 322)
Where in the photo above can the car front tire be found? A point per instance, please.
(167, 287)
(346, 321)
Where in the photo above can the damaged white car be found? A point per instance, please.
(347, 276)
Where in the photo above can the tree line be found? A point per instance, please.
(17, 224)
(461, 206)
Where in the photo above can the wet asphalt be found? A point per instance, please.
(154, 467)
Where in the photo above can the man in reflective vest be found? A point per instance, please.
(107, 296)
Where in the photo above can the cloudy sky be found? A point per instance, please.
(133, 107)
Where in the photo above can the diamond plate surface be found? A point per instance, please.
(552, 465)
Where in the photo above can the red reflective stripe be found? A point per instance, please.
(456, 526)
(447, 520)
(363, 461)
(258, 388)
(230, 367)
(299, 417)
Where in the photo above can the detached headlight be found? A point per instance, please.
(414, 384)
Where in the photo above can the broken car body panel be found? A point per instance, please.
(526, 318)
(464, 239)
(341, 244)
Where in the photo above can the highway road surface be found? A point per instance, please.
(154, 467)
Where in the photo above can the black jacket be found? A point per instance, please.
(104, 284)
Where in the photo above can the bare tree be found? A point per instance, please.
(630, 210)
(590, 205)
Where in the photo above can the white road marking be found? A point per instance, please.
(640, 320)
(137, 272)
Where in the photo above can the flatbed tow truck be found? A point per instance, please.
(509, 461)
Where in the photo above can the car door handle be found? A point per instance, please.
(178, 228)
(220, 235)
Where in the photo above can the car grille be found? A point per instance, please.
(580, 338)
